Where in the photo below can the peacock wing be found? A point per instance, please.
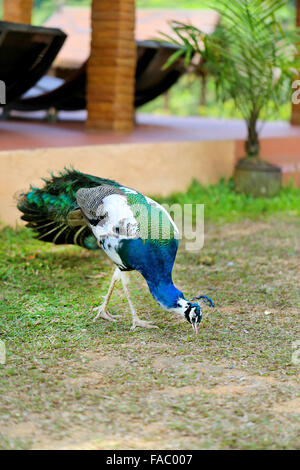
(75, 218)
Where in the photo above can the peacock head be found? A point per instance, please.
(192, 311)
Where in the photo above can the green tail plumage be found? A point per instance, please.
(46, 210)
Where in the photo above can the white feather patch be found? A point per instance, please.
(119, 215)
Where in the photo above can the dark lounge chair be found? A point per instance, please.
(69, 94)
(26, 53)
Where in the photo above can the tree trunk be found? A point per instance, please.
(295, 119)
(17, 11)
(252, 142)
(111, 67)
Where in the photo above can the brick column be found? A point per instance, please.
(111, 67)
(18, 11)
(295, 119)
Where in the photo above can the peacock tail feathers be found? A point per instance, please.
(52, 211)
(46, 209)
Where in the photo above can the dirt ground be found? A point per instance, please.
(69, 383)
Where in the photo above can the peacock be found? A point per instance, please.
(134, 231)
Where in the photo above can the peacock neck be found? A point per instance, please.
(165, 293)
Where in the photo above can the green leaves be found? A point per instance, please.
(173, 58)
(250, 54)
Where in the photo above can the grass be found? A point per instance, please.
(223, 204)
(72, 383)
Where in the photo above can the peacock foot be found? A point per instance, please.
(143, 324)
(103, 313)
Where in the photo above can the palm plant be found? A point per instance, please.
(252, 58)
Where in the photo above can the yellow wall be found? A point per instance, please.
(155, 168)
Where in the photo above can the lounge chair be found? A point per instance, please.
(26, 53)
(69, 94)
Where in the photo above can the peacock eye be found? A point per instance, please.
(93, 213)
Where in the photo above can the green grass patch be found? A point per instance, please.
(223, 204)
(69, 382)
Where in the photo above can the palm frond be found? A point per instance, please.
(244, 51)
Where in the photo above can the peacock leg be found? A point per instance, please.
(102, 309)
(135, 319)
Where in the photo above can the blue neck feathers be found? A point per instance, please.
(154, 260)
(165, 293)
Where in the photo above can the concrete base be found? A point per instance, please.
(152, 168)
(162, 154)
(257, 178)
